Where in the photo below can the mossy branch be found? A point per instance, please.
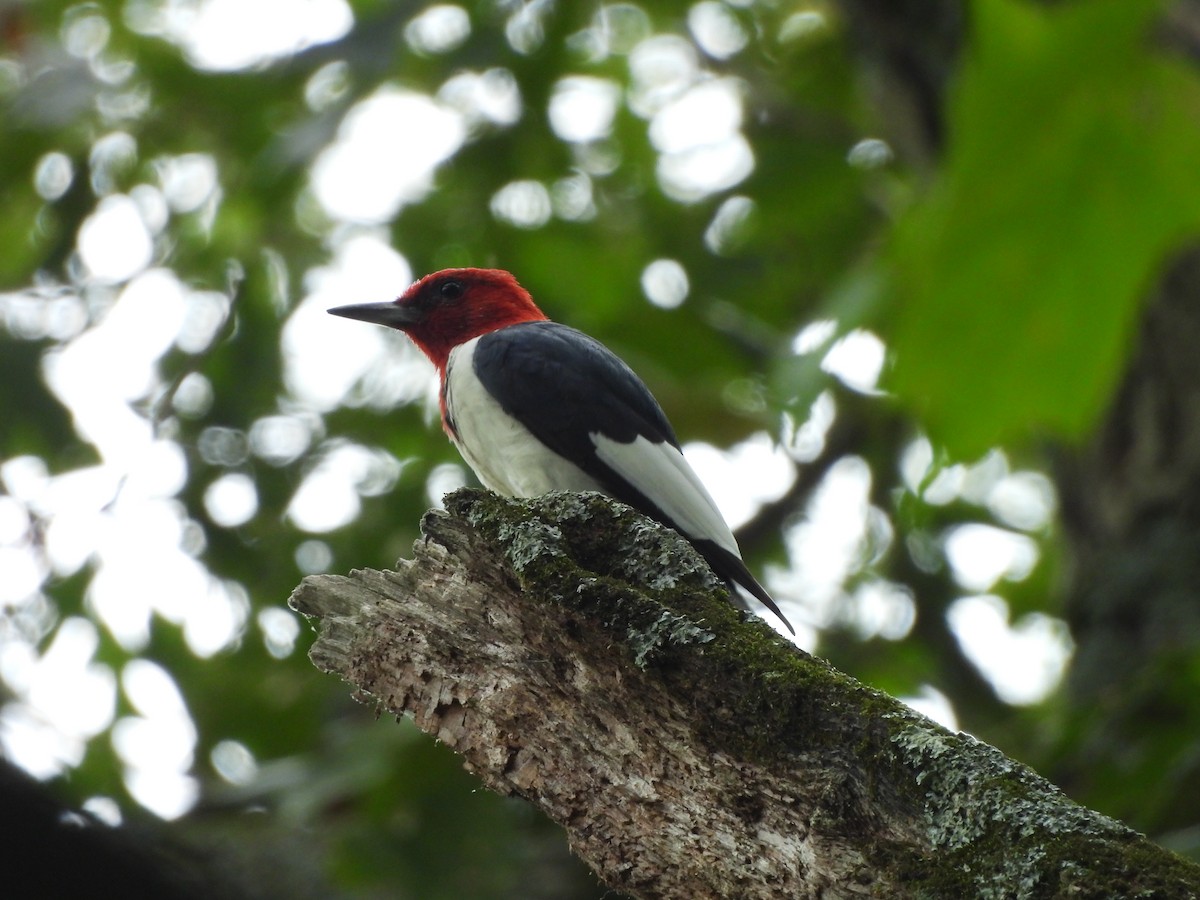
(578, 655)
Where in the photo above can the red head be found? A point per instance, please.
(450, 307)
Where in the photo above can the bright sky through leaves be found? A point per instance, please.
(123, 514)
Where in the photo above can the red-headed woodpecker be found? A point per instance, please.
(534, 406)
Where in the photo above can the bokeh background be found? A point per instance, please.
(914, 281)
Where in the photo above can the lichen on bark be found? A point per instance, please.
(581, 656)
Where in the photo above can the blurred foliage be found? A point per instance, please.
(1006, 280)
(1067, 182)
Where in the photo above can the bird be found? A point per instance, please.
(535, 406)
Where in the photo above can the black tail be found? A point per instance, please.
(730, 567)
(726, 564)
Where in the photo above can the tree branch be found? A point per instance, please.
(578, 655)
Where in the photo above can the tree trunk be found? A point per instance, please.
(1131, 518)
(578, 655)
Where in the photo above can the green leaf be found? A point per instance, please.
(1071, 174)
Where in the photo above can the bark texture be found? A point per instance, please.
(576, 654)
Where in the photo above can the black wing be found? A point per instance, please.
(563, 385)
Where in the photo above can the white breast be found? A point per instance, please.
(501, 451)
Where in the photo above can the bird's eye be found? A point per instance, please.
(451, 290)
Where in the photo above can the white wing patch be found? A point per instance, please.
(501, 451)
(508, 459)
(661, 473)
